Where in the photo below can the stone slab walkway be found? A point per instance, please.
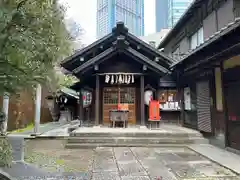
(107, 163)
(218, 155)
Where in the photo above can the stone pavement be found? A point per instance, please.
(51, 161)
(107, 163)
(155, 163)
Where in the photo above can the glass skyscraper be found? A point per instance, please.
(109, 12)
(168, 12)
(176, 8)
(161, 10)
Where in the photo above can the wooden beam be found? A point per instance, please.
(80, 105)
(142, 105)
(132, 39)
(72, 58)
(153, 65)
(226, 53)
(97, 105)
(94, 60)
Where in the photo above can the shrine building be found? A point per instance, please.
(122, 69)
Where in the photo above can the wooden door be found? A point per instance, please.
(233, 109)
(110, 101)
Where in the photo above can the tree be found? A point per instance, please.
(33, 37)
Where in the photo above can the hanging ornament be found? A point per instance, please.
(107, 78)
(116, 79)
(126, 79)
(120, 79)
(112, 79)
(132, 78)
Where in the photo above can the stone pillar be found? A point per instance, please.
(142, 105)
(5, 110)
(37, 109)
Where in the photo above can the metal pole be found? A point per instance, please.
(37, 109)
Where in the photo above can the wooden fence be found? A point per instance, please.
(21, 110)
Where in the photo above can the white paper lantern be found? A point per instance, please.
(147, 96)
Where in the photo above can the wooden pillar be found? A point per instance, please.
(182, 106)
(80, 106)
(97, 101)
(225, 110)
(142, 106)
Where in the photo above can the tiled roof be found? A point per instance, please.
(225, 30)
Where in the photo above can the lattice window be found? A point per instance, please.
(127, 95)
(111, 95)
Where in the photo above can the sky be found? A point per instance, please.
(84, 12)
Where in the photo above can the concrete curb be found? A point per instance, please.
(212, 160)
(33, 135)
(51, 137)
(6, 175)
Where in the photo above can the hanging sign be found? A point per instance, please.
(119, 78)
(154, 110)
(187, 98)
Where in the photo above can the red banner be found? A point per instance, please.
(154, 113)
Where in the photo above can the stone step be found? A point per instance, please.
(95, 145)
(132, 142)
(130, 139)
(133, 134)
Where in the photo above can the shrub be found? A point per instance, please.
(5, 152)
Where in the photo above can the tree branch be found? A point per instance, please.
(10, 24)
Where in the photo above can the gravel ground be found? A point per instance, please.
(51, 155)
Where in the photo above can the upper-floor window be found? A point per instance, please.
(196, 39)
(176, 54)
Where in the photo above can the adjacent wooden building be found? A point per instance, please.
(205, 45)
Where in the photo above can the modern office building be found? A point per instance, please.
(161, 10)
(109, 12)
(168, 12)
(176, 8)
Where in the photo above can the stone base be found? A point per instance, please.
(143, 127)
(35, 134)
(96, 126)
(133, 137)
